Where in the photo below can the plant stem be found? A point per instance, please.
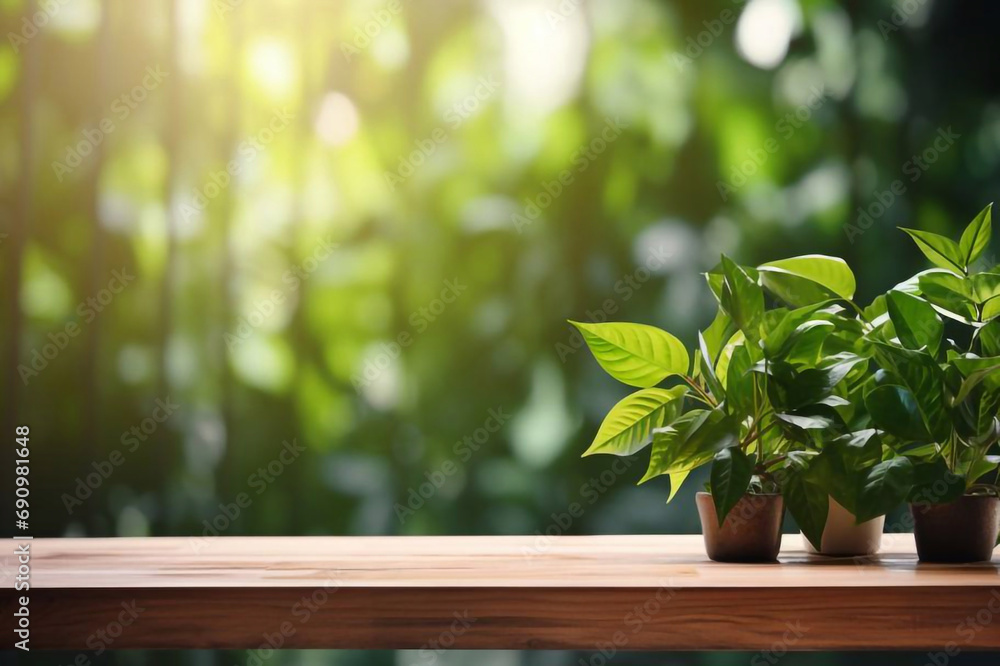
(702, 395)
(857, 309)
(954, 453)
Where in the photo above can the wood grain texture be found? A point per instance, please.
(591, 593)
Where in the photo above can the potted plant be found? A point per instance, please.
(936, 341)
(766, 400)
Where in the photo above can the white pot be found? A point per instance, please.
(843, 538)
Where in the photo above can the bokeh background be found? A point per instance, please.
(359, 226)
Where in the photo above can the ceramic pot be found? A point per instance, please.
(961, 531)
(842, 537)
(750, 533)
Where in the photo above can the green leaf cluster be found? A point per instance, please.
(794, 388)
(769, 381)
(936, 390)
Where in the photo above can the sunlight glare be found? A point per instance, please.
(337, 121)
(272, 67)
(765, 30)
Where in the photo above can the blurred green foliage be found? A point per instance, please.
(361, 225)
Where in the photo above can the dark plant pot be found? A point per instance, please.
(750, 533)
(961, 531)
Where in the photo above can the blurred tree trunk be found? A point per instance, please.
(21, 221)
(164, 458)
(229, 462)
(91, 368)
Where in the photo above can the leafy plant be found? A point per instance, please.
(935, 339)
(771, 397)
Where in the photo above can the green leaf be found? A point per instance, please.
(730, 477)
(917, 324)
(917, 371)
(726, 355)
(942, 251)
(716, 335)
(691, 441)
(937, 280)
(884, 487)
(806, 341)
(706, 371)
(976, 237)
(895, 410)
(790, 389)
(629, 425)
(832, 473)
(809, 504)
(843, 463)
(742, 298)
(985, 289)
(807, 421)
(877, 309)
(991, 308)
(985, 422)
(676, 481)
(740, 382)
(949, 292)
(982, 467)
(984, 286)
(989, 338)
(831, 273)
(934, 483)
(716, 282)
(861, 448)
(977, 370)
(635, 354)
(780, 324)
(796, 291)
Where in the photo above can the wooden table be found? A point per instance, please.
(590, 593)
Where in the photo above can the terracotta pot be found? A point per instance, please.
(750, 533)
(961, 531)
(842, 537)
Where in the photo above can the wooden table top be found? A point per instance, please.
(523, 592)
